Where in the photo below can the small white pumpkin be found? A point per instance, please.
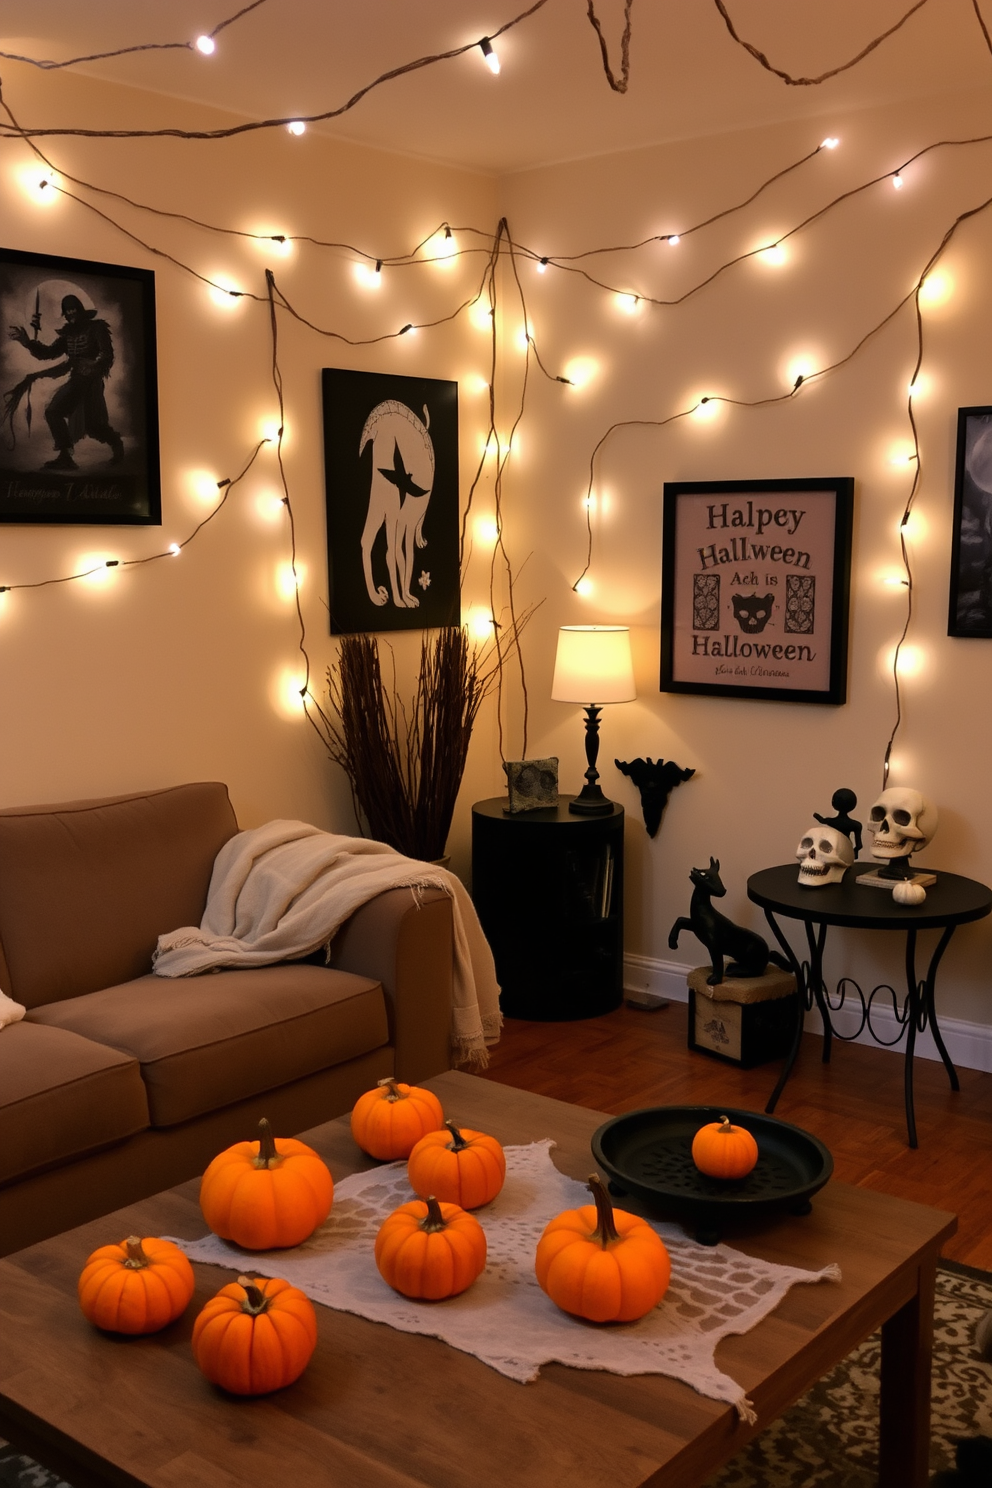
(909, 893)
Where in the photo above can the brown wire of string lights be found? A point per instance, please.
(274, 295)
(801, 381)
(226, 485)
(618, 84)
(812, 82)
(253, 125)
(569, 268)
(48, 65)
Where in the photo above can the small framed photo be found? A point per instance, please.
(531, 785)
(756, 580)
(970, 609)
(79, 410)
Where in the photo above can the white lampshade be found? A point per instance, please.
(593, 665)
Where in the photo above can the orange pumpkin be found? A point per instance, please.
(138, 1286)
(722, 1150)
(602, 1263)
(461, 1167)
(428, 1250)
(390, 1120)
(255, 1336)
(266, 1194)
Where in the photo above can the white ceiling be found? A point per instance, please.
(551, 101)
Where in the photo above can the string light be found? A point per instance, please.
(830, 143)
(489, 53)
(673, 240)
(897, 181)
(205, 45)
(297, 127)
(922, 293)
(175, 549)
(542, 266)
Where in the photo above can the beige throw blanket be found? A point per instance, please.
(281, 891)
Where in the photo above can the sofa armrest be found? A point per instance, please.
(406, 943)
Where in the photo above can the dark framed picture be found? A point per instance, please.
(391, 472)
(79, 418)
(756, 582)
(970, 609)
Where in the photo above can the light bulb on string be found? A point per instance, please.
(585, 587)
(480, 623)
(542, 266)
(40, 186)
(225, 294)
(673, 240)
(897, 181)
(830, 143)
(488, 52)
(370, 277)
(205, 45)
(175, 549)
(486, 530)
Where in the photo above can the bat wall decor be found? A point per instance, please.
(655, 779)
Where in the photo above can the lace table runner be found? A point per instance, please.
(505, 1319)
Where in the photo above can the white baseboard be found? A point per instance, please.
(968, 1044)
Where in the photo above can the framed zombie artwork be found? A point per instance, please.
(970, 611)
(756, 579)
(391, 480)
(79, 413)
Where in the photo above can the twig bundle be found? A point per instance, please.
(405, 771)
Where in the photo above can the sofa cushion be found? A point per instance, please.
(62, 1096)
(90, 886)
(206, 1041)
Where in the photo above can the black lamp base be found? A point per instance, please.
(590, 801)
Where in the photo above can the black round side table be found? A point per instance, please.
(548, 889)
(950, 902)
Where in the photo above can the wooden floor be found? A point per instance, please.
(854, 1104)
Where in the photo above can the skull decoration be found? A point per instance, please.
(823, 854)
(902, 821)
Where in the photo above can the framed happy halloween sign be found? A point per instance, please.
(756, 579)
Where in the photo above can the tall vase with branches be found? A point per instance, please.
(405, 765)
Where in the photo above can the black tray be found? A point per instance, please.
(647, 1154)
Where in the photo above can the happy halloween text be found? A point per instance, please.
(756, 518)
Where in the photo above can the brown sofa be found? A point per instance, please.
(119, 1083)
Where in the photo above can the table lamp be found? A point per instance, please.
(593, 661)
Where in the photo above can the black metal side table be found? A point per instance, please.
(950, 902)
(548, 889)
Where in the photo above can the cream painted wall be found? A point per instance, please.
(174, 671)
(763, 767)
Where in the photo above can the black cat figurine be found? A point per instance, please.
(720, 936)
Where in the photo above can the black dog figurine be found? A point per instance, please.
(655, 780)
(720, 936)
(973, 1455)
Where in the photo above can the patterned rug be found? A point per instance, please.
(829, 1439)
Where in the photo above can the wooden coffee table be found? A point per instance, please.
(382, 1409)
